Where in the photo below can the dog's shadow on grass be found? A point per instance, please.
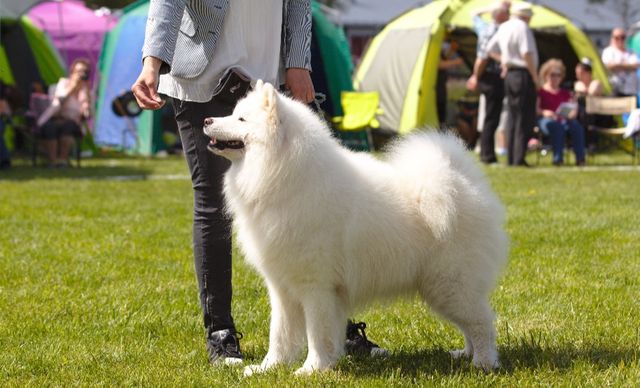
(518, 357)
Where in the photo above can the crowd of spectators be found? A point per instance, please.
(507, 64)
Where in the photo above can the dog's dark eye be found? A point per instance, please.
(241, 119)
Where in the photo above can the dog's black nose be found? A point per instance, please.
(208, 121)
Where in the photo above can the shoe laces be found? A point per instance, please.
(231, 343)
(356, 330)
(228, 345)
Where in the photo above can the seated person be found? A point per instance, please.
(555, 122)
(584, 86)
(5, 116)
(467, 120)
(62, 121)
(449, 60)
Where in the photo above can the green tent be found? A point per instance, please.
(634, 45)
(27, 55)
(402, 60)
(331, 60)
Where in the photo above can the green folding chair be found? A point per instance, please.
(359, 118)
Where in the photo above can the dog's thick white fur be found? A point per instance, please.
(331, 230)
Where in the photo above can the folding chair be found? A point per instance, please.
(359, 118)
(614, 106)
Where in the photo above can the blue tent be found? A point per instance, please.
(120, 63)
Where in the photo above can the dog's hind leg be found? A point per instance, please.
(325, 317)
(475, 320)
(286, 332)
(467, 351)
(474, 317)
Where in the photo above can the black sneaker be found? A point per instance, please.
(223, 346)
(358, 344)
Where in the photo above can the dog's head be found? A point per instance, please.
(253, 123)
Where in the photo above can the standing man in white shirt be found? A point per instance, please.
(516, 47)
(622, 65)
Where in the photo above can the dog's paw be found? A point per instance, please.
(488, 364)
(304, 371)
(460, 353)
(250, 370)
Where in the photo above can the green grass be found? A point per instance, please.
(97, 286)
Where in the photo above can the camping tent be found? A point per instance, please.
(402, 59)
(330, 60)
(13, 9)
(634, 45)
(75, 30)
(120, 63)
(27, 56)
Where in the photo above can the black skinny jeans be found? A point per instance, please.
(211, 228)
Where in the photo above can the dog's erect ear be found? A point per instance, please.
(269, 98)
(259, 84)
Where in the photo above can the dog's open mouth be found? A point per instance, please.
(224, 144)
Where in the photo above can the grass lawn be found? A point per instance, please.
(97, 286)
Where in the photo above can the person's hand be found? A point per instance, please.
(75, 84)
(549, 114)
(573, 114)
(145, 89)
(472, 83)
(298, 82)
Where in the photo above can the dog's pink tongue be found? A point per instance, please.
(212, 142)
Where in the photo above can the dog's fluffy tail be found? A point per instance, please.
(440, 175)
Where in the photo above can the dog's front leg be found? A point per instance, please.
(325, 318)
(286, 333)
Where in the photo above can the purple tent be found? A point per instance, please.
(76, 31)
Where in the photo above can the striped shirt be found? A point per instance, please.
(250, 39)
(184, 34)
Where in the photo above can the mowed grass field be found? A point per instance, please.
(97, 286)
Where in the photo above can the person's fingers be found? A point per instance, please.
(143, 96)
(146, 97)
(303, 93)
(153, 92)
(299, 83)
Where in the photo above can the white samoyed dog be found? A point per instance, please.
(330, 229)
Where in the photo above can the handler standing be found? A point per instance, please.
(190, 47)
